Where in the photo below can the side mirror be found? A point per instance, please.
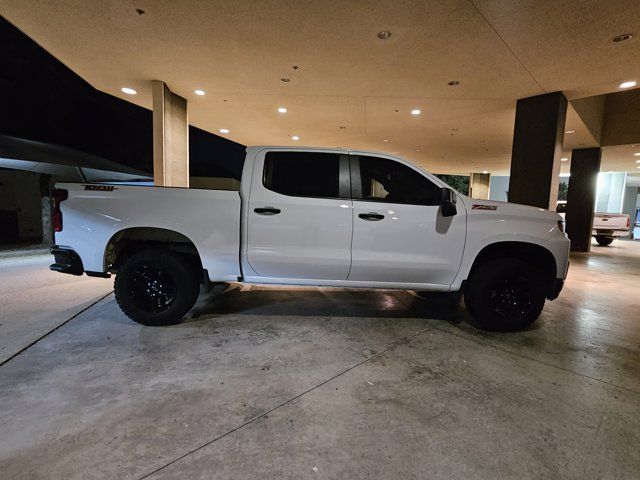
(448, 199)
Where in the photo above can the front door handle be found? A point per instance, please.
(267, 211)
(371, 216)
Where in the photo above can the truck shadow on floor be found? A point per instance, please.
(327, 303)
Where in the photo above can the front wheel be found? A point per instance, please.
(603, 241)
(156, 287)
(505, 295)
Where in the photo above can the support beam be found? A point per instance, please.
(479, 185)
(537, 147)
(581, 197)
(170, 138)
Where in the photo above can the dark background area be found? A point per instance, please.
(43, 100)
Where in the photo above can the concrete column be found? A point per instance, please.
(479, 185)
(581, 197)
(537, 147)
(170, 138)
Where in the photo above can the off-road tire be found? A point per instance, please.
(176, 274)
(505, 295)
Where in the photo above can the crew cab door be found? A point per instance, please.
(299, 217)
(400, 235)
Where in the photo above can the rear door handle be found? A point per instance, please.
(267, 211)
(371, 216)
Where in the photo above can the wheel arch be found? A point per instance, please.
(534, 254)
(127, 241)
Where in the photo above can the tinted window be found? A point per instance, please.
(302, 174)
(388, 181)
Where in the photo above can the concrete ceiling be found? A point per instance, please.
(346, 87)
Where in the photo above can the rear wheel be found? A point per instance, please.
(604, 241)
(156, 287)
(505, 295)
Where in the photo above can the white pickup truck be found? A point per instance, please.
(606, 226)
(326, 217)
(609, 226)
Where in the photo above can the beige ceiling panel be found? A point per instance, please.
(240, 50)
(255, 120)
(621, 158)
(566, 45)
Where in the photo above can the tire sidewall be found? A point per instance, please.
(478, 294)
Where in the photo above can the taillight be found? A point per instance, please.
(59, 196)
(628, 222)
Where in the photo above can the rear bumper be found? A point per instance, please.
(610, 233)
(67, 260)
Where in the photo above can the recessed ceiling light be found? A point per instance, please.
(128, 91)
(385, 140)
(564, 159)
(453, 83)
(295, 137)
(628, 84)
(416, 111)
(637, 154)
(199, 92)
(282, 110)
(637, 161)
(570, 131)
(224, 130)
(485, 171)
(622, 38)
(384, 34)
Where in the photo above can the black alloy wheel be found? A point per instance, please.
(505, 295)
(153, 289)
(157, 286)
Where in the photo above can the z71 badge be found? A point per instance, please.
(100, 188)
(476, 206)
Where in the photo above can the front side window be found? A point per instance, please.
(384, 180)
(302, 174)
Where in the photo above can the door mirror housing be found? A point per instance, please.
(448, 199)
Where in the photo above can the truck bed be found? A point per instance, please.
(94, 213)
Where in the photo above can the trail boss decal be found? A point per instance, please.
(475, 206)
(100, 188)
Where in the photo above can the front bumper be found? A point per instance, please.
(67, 260)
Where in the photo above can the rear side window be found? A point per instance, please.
(384, 180)
(302, 174)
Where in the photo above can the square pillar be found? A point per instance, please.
(170, 138)
(581, 197)
(537, 147)
(479, 185)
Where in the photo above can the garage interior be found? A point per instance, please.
(507, 101)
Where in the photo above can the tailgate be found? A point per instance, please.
(611, 221)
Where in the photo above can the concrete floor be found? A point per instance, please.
(34, 300)
(315, 383)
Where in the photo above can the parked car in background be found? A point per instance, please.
(606, 226)
(609, 226)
